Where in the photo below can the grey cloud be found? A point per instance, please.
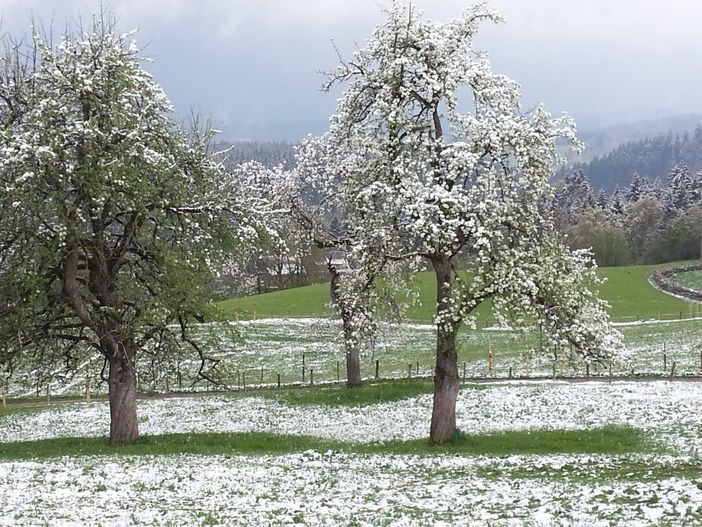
(255, 63)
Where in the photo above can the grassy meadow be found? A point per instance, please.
(560, 453)
(312, 452)
(690, 279)
(626, 289)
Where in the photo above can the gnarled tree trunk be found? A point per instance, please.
(446, 380)
(124, 427)
(119, 352)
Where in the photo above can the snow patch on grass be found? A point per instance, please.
(320, 489)
(333, 488)
(668, 410)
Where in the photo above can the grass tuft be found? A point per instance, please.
(377, 392)
(612, 439)
(606, 440)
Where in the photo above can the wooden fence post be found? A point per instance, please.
(311, 376)
(279, 381)
(489, 356)
(672, 371)
(377, 369)
(665, 359)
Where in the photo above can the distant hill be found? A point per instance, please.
(600, 141)
(652, 157)
(276, 132)
(610, 158)
(269, 153)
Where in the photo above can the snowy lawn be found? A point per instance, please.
(334, 488)
(670, 411)
(323, 489)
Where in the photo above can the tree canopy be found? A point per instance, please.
(112, 217)
(438, 162)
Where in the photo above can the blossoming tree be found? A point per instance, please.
(111, 216)
(437, 161)
(361, 289)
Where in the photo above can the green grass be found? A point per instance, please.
(606, 440)
(623, 469)
(611, 439)
(630, 295)
(367, 394)
(691, 279)
(627, 290)
(9, 410)
(308, 301)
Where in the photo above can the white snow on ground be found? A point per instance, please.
(671, 410)
(334, 489)
(320, 489)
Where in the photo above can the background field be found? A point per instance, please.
(691, 279)
(627, 290)
(292, 336)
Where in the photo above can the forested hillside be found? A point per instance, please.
(651, 157)
(268, 153)
(650, 221)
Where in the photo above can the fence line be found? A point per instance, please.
(323, 367)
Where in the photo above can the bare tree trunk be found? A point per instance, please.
(353, 358)
(122, 393)
(446, 380)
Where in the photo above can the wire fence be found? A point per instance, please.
(278, 353)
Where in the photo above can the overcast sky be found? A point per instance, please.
(252, 65)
